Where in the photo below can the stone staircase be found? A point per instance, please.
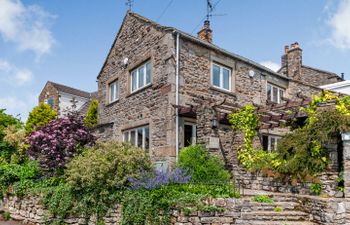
(284, 210)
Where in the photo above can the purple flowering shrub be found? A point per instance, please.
(58, 142)
(156, 179)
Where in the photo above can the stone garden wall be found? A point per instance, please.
(325, 211)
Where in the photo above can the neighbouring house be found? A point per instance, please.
(341, 87)
(64, 99)
(163, 89)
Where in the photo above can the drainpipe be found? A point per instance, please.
(177, 98)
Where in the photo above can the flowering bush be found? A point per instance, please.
(157, 179)
(59, 141)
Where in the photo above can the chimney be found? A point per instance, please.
(342, 76)
(206, 34)
(292, 60)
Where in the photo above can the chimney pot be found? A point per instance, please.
(206, 34)
(286, 49)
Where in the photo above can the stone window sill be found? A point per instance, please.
(140, 90)
(223, 91)
(112, 103)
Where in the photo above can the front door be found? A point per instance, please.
(190, 134)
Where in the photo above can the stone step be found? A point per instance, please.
(256, 206)
(275, 216)
(276, 198)
(283, 222)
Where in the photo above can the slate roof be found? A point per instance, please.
(70, 90)
(193, 39)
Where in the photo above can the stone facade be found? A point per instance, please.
(140, 40)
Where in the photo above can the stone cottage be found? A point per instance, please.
(163, 89)
(63, 98)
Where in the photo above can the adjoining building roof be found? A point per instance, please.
(70, 90)
(196, 40)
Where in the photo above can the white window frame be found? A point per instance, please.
(136, 136)
(145, 84)
(279, 89)
(221, 77)
(115, 85)
(161, 166)
(194, 132)
(269, 142)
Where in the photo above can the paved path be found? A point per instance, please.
(10, 223)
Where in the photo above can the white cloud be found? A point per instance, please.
(26, 26)
(17, 106)
(271, 65)
(13, 75)
(340, 25)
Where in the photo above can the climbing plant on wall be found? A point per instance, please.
(300, 154)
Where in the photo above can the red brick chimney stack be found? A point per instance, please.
(206, 34)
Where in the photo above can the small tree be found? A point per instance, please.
(58, 142)
(91, 116)
(40, 116)
(6, 121)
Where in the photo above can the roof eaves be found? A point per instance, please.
(239, 57)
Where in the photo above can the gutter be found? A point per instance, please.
(177, 97)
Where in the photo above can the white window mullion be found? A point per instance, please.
(145, 74)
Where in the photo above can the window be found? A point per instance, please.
(270, 142)
(138, 137)
(50, 102)
(141, 77)
(114, 91)
(221, 77)
(190, 134)
(274, 93)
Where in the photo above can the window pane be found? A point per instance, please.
(148, 73)
(281, 95)
(141, 76)
(269, 96)
(132, 137)
(216, 75)
(116, 89)
(111, 92)
(274, 94)
(133, 80)
(146, 138)
(188, 135)
(226, 77)
(126, 136)
(139, 137)
(50, 102)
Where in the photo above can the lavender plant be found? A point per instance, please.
(156, 179)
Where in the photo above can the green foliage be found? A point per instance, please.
(143, 206)
(278, 209)
(263, 199)
(6, 215)
(6, 149)
(91, 115)
(20, 177)
(107, 166)
(316, 188)
(40, 116)
(203, 166)
(340, 182)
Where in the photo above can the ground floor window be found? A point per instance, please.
(270, 142)
(190, 134)
(161, 166)
(137, 136)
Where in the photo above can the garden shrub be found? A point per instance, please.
(6, 121)
(40, 116)
(263, 199)
(202, 166)
(316, 188)
(55, 144)
(91, 115)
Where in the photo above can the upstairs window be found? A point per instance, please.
(274, 93)
(141, 77)
(221, 77)
(113, 91)
(50, 102)
(138, 137)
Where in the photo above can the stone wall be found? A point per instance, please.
(327, 211)
(50, 91)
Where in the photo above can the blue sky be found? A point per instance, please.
(67, 41)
